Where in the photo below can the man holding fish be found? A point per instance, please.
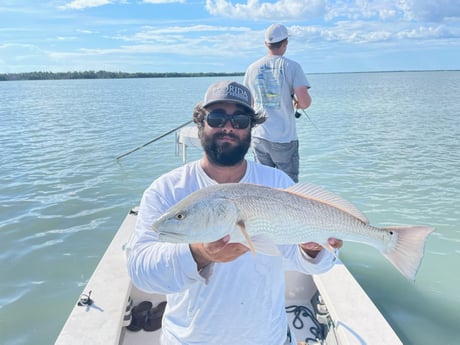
(218, 292)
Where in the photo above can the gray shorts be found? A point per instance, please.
(284, 156)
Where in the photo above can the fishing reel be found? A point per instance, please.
(297, 112)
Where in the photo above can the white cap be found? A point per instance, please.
(275, 33)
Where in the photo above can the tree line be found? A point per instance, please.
(106, 75)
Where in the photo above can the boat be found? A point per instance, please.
(326, 309)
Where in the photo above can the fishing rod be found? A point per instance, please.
(154, 139)
(299, 114)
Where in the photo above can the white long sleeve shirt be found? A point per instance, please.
(242, 302)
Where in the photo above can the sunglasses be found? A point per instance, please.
(218, 119)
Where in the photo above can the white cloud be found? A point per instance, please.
(163, 1)
(363, 32)
(431, 10)
(150, 34)
(66, 38)
(295, 10)
(82, 31)
(81, 4)
(279, 10)
(17, 45)
(428, 32)
(362, 9)
(411, 10)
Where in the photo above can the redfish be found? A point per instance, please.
(262, 217)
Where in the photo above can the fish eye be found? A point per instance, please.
(179, 216)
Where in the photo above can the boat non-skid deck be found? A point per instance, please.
(301, 313)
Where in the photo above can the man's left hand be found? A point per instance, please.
(313, 248)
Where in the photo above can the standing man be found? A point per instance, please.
(279, 87)
(218, 292)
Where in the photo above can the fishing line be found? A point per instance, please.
(300, 112)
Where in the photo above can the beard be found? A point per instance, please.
(225, 154)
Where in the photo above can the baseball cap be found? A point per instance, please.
(275, 33)
(228, 91)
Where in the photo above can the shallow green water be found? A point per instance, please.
(386, 141)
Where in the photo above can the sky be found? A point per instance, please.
(325, 36)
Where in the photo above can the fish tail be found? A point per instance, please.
(407, 253)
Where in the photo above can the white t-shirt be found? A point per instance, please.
(243, 301)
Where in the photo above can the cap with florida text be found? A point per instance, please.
(228, 91)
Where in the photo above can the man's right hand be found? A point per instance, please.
(217, 251)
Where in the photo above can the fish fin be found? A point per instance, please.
(407, 253)
(318, 193)
(263, 244)
(249, 242)
(257, 244)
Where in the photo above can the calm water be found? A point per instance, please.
(389, 142)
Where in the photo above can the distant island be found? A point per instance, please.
(106, 75)
(125, 75)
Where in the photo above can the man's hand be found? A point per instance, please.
(312, 248)
(217, 251)
(295, 103)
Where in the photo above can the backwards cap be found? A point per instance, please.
(275, 33)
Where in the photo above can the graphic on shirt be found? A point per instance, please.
(269, 80)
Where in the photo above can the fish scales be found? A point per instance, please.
(295, 221)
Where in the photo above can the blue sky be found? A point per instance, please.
(225, 36)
